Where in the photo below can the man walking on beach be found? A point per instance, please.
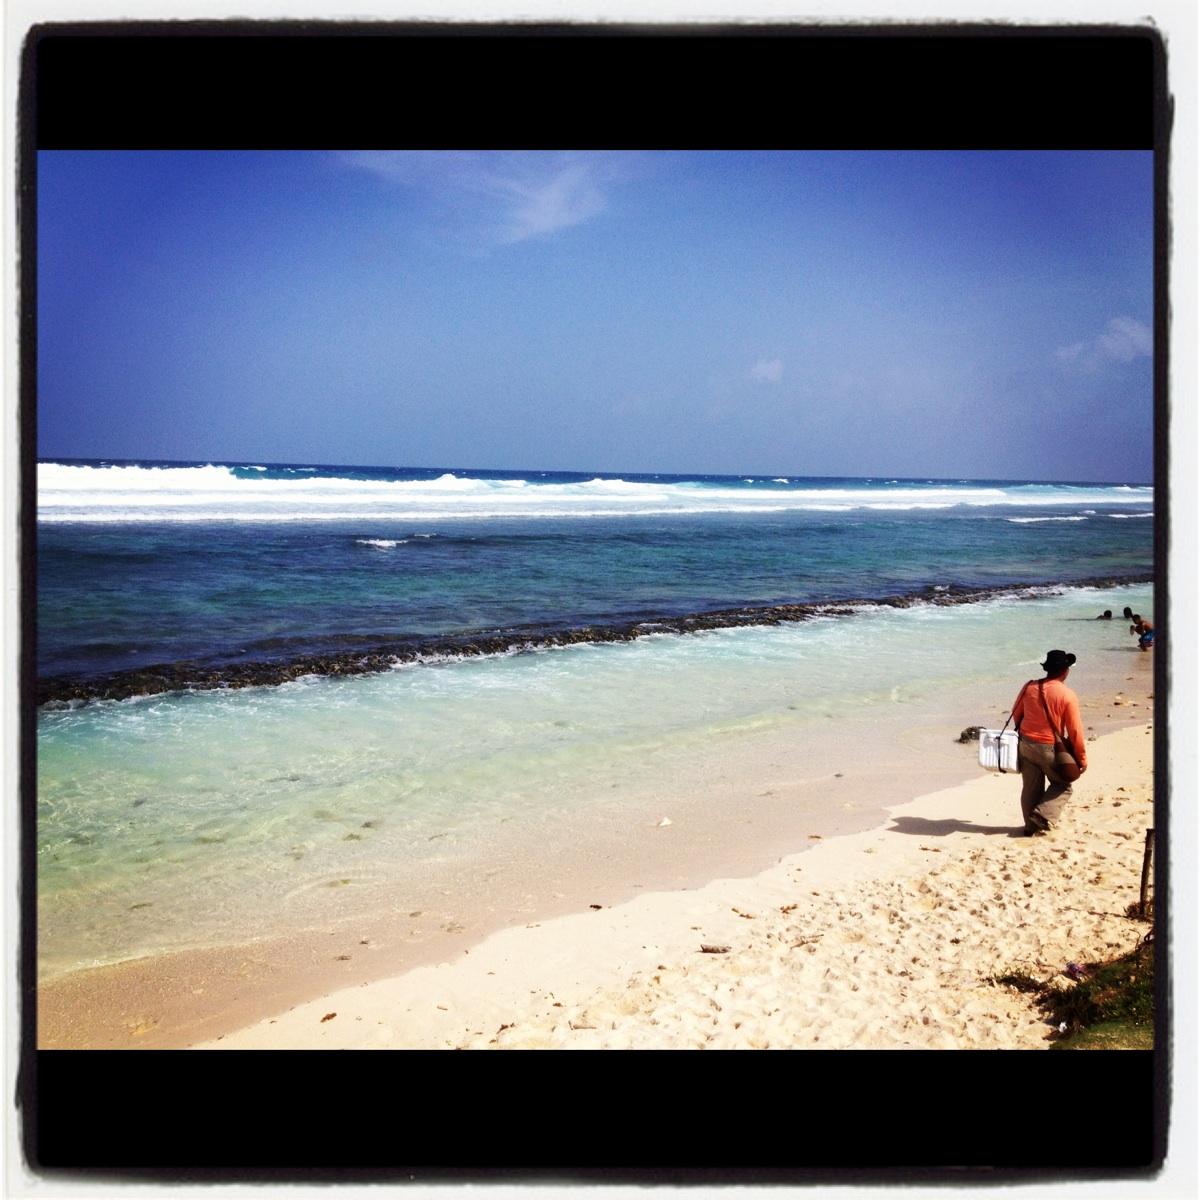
(1042, 712)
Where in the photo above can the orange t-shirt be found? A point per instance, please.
(1064, 709)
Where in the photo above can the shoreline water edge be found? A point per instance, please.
(880, 900)
(893, 938)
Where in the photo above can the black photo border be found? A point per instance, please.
(619, 1117)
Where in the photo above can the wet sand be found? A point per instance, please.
(887, 939)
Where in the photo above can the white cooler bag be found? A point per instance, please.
(998, 750)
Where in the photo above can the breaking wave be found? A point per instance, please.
(135, 493)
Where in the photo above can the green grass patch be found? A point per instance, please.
(1108, 1035)
(1110, 1008)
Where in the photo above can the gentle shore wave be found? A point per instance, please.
(375, 657)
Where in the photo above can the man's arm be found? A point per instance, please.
(1075, 731)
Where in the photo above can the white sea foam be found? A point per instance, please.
(216, 493)
(1034, 520)
(1129, 516)
(381, 543)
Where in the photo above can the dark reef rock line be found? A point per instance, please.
(189, 675)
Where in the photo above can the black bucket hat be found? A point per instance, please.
(1057, 660)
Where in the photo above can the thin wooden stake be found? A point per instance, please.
(1146, 858)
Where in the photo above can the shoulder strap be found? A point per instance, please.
(1017, 726)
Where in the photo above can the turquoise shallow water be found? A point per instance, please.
(207, 818)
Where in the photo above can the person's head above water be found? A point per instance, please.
(1058, 662)
(1128, 612)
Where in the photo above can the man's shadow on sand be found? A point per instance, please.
(923, 827)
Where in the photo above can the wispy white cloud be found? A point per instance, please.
(767, 370)
(1123, 340)
(499, 196)
(1126, 339)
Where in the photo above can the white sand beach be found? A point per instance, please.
(886, 939)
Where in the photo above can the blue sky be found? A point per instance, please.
(979, 314)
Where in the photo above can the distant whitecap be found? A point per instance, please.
(1037, 520)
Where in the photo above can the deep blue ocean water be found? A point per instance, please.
(148, 563)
